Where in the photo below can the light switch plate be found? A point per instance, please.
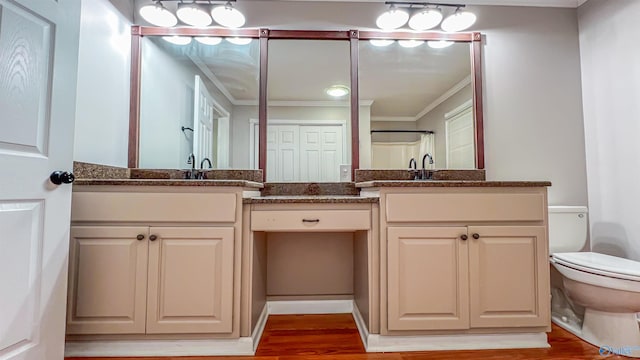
(345, 173)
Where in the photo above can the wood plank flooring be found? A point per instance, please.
(335, 337)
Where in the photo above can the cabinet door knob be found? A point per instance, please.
(464, 237)
(140, 237)
(153, 238)
(476, 236)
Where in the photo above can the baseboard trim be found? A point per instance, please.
(256, 335)
(289, 307)
(381, 343)
(361, 325)
(124, 348)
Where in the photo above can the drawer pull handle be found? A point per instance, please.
(140, 237)
(464, 237)
(310, 220)
(476, 236)
(153, 238)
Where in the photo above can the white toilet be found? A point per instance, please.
(605, 288)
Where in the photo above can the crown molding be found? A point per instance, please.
(534, 3)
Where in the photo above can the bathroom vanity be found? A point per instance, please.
(194, 267)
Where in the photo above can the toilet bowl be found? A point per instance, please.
(607, 287)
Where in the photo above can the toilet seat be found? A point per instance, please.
(600, 264)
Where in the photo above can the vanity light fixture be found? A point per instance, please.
(441, 44)
(381, 42)
(193, 14)
(425, 19)
(208, 40)
(426, 15)
(392, 18)
(458, 21)
(178, 40)
(337, 90)
(239, 40)
(198, 13)
(158, 15)
(227, 16)
(410, 43)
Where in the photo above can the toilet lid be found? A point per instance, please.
(601, 264)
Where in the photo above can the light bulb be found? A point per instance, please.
(392, 18)
(158, 15)
(208, 40)
(337, 91)
(193, 14)
(381, 42)
(227, 16)
(239, 40)
(410, 43)
(177, 40)
(439, 44)
(425, 19)
(458, 21)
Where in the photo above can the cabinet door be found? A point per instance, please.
(190, 280)
(427, 278)
(107, 280)
(509, 276)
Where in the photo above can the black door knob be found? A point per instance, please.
(153, 238)
(476, 236)
(140, 237)
(463, 237)
(61, 177)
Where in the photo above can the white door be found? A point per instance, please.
(283, 153)
(320, 153)
(38, 66)
(460, 141)
(202, 122)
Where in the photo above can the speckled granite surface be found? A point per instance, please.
(363, 175)
(227, 174)
(169, 182)
(83, 170)
(328, 199)
(450, 183)
(95, 174)
(315, 189)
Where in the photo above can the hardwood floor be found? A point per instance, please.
(324, 337)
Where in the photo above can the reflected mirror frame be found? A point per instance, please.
(353, 36)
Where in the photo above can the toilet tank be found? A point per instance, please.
(567, 228)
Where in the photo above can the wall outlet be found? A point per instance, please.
(345, 173)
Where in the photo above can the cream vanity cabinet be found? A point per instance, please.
(148, 261)
(466, 258)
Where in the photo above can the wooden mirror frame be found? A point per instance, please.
(353, 36)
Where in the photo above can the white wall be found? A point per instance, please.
(435, 121)
(166, 104)
(102, 107)
(611, 92)
(533, 108)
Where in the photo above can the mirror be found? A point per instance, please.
(421, 97)
(197, 98)
(213, 99)
(308, 116)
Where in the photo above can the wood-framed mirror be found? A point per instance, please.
(235, 83)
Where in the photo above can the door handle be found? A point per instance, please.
(476, 236)
(311, 220)
(153, 237)
(61, 177)
(464, 237)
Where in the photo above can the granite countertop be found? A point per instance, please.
(311, 199)
(169, 182)
(449, 183)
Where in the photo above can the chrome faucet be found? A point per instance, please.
(201, 173)
(425, 174)
(203, 161)
(415, 168)
(191, 160)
